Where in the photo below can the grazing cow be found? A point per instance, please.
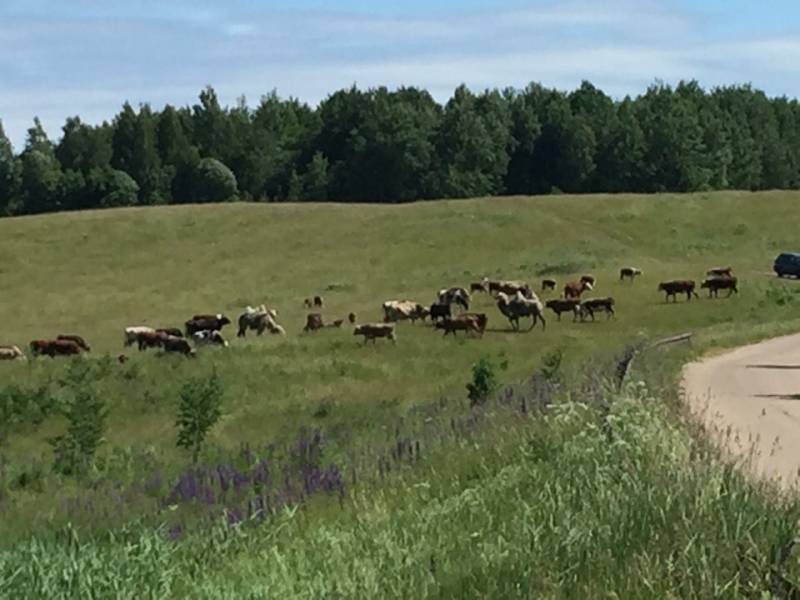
(207, 338)
(132, 334)
(629, 273)
(11, 353)
(440, 311)
(454, 295)
(401, 310)
(574, 289)
(313, 322)
(53, 348)
(77, 339)
(317, 301)
(150, 339)
(479, 286)
(178, 345)
(593, 305)
(720, 272)
(173, 331)
(511, 288)
(678, 286)
(562, 305)
(715, 284)
(206, 322)
(513, 308)
(480, 319)
(372, 331)
(457, 324)
(351, 318)
(258, 319)
(549, 284)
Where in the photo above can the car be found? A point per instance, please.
(787, 263)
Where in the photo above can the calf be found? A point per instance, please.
(178, 346)
(457, 324)
(318, 301)
(720, 272)
(313, 322)
(629, 273)
(372, 331)
(53, 348)
(11, 353)
(562, 305)
(593, 305)
(715, 284)
(574, 289)
(548, 284)
(678, 286)
(440, 311)
(77, 339)
(351, 318)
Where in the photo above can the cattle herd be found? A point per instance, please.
(449, 312)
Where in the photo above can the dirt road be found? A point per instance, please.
(755, 391)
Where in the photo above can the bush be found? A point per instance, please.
(214, 182)
(74, 452)
(484, 382)
(200, 408)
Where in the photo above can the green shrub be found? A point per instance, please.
(200, 408)
(484, 382)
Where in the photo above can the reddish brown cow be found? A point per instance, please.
(720, 272)
(77, 339)
(150, 339)
(53, 348)
(678, 286)
(588, 279)
(574, 289)
(454, 325)
(480, 319)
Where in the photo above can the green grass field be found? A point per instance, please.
(95, 273)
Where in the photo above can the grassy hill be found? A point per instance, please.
(95, 273)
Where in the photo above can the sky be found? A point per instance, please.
(60, 58)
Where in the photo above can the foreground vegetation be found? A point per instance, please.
(360, 470)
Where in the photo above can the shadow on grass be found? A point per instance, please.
(780, 367)
(779, 396)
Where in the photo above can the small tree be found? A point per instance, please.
(199, 410)
(483, 382)
(74, 452)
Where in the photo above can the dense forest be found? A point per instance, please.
(395, 146)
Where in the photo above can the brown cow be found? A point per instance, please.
(173, 331)
(150, 339)
(549, 284)
(678, 286)
(77, 339)
(480, 319)
(372, 331)
(53, 348)
(589, 279)
(206, 322)
(178, 345)
(562, 305)
(720, 272)
(479, 286)
(351, 317)
(318, 301)
(313, 322)
(629, 273)
(715, 284)
(574, 289)
(593, 305)
(454, 325)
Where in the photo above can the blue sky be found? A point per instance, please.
(86, 57)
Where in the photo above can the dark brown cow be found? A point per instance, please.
(313, 322)
(318, 301)
(372, 331)
(351, 317)
(173, 331)
(77, 339)
(715, 284)
(177, 345)
(593, 305)
(53, 348)
(479, 286)
(549, 284)
(150, 339)
(206, 322)
(574, 289)
(562, 305)
(629, 273)
(440, 311)
(678, 286)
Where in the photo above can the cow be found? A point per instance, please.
(150, 339)
(513, 308)
(678, 286)
(401, 310)
(11, 353)
(132, 334)
(372, 331)
(173, 331)
(208, 338)
(590, 279)
(562, 305)
(574, 289)
(75, 338)
(715, 284)
(593, 305)
(549, 284)
(511, 288)
(480, 319)
(454, 295)
(453, 325)
(206, 322)
(178, 345)
(313, 322)
(351, 318)
(317, 301)
(479, 286)
(258, 319)
(629, 273)
(53, 348)
(720, 272)
(307, 303)
(440, 311)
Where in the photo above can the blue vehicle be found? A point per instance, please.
(787, 263)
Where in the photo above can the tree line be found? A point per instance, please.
(380, 145)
